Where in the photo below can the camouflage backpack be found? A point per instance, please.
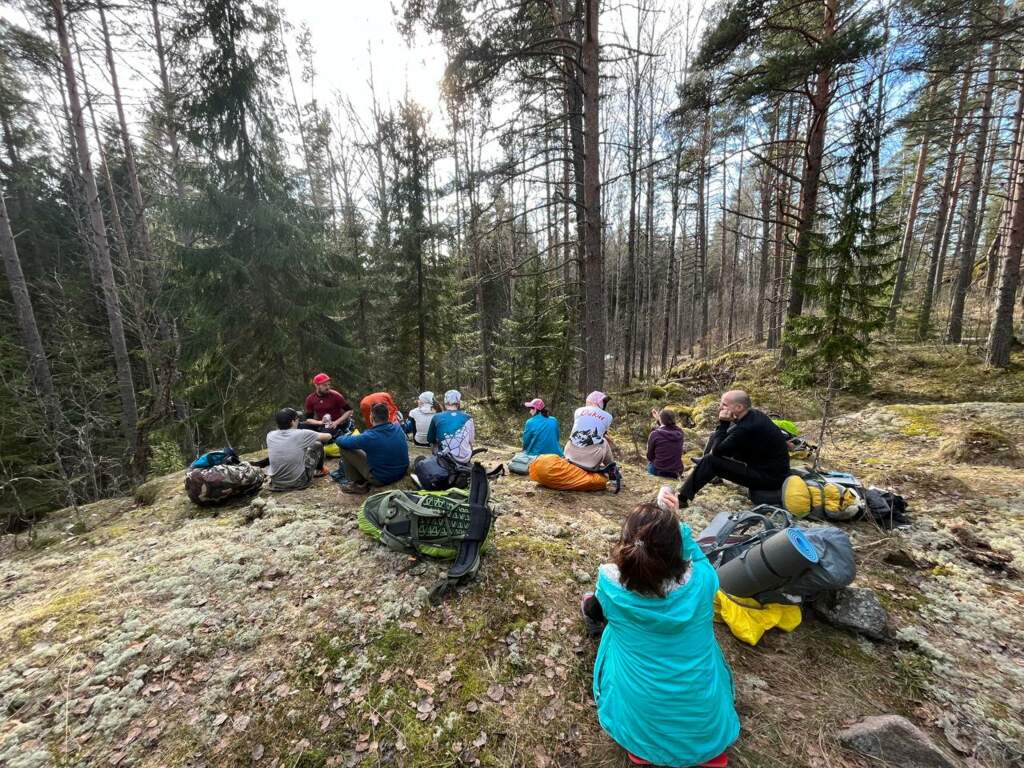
(215, 485)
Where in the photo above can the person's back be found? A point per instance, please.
(541, 435)
(662, 686)
(452, 431)
(289, 468)
(588, 444)
(665, 445)
(421, 417)
(378, 456)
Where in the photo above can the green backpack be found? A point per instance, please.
(444, 525)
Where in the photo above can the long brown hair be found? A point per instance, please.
(649, 552)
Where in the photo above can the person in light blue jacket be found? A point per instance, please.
(541, 432)
(663, 688)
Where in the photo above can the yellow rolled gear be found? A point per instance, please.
(802, 496)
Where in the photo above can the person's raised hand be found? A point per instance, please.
(667, 500)
(654, 413)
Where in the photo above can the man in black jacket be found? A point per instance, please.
(747, 448)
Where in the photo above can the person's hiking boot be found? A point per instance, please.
(356, 489)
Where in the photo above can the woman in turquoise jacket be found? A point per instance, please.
(663, 689)
(540, 433)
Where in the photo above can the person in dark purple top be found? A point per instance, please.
(665, 446)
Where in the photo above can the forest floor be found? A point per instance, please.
(167, 636)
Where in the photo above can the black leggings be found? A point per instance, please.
(737, 472)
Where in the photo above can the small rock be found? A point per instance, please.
(894, 740)
(258, 503)
(581, 576)
(855, 609)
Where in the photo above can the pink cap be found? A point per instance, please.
(321, 378)
(535, 403)
(596, 398)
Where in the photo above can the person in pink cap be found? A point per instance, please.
(541, 433)
(326, 409)
(589, 445)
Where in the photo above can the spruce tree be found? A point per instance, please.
(259, 295)
(848, 282)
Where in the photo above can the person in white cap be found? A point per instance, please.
(589, 445)
(452, 431)
(418, 422)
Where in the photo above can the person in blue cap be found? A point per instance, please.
(662, 686)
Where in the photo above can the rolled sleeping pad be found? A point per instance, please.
(769, 564)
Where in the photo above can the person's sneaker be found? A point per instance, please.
(356, 489)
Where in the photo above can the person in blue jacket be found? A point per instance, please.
(541, 433)
(452, 431)
(378, 456)
(662, 686)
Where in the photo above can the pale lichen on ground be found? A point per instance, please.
(277, 634)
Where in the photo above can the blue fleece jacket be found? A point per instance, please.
(387, 451)
(540, 435)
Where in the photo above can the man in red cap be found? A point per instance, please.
(327, 410)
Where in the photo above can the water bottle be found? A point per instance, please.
(327, 421)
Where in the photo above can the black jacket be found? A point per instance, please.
(756, 441)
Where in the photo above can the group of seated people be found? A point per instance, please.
(746, 448)
(377, 456)
(661, 684)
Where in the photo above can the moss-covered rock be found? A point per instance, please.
(657, 393)
(980, 444)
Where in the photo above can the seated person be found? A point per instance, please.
(665, 446)
(369, 401)
(295, 455)
(540, 433)
(589, 445)
(661, 684)
(379, 456)
(452, 431)
(327, 410)
(418, 422)
(746, 448)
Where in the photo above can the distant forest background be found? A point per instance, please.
(612, 188)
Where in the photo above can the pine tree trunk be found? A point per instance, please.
(101, 248)
(1000, 335)
(671, 292)
(909, 230)
(629, 280)
(594, 301)
(968, 241)
(167, 122)
(942, 217)
(811, 180)
(700, 278)
(765, 249)
(39, 365)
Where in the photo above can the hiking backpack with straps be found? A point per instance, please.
(445, 525)
(730, 534)
(441, 472)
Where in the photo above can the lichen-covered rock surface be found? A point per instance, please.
(274, 633)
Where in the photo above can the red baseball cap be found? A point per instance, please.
(535, 403)
(321, 378)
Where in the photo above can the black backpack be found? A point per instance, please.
(441, 472)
